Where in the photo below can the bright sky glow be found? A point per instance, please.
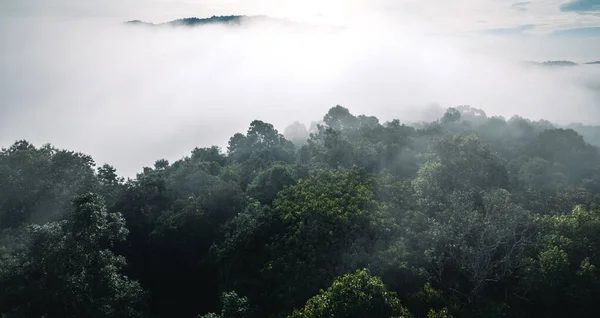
(545, 16)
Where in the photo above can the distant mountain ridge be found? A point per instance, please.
(215, 20)
(562, 63)
(226, 19)
(559, 63)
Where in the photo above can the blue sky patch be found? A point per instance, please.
(581, 6)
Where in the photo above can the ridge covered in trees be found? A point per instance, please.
(226, 19)
(562, 63)
(232, 20)
(465, 216)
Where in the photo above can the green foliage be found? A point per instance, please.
(296, 133)
(176, 212)
(340, 118)
(262, 146)
(477, 245)
(332, 225)
(347, 140)
(67, 268)
(37, 184)
(212, 155)
(268, 183)
(451, 116)
(460, 164)
(354, 295)
(243, 252)
(465, 216)
(561, 272)
(442, 313)
(233, 306)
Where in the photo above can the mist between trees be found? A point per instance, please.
(465, 216)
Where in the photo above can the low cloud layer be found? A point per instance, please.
(129, 95)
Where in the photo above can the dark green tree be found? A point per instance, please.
(37, 184)
(354, 295)
(68, 269)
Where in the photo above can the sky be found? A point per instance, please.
(530, 17)
(72, 74)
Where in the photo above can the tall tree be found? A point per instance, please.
(69, 270)
(354, 295)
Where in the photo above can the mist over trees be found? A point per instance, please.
(467, 216)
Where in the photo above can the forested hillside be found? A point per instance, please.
(467, 216)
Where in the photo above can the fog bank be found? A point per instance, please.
(128, 95)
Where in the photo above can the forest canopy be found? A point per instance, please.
(465, 216)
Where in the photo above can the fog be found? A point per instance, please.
(128, 95)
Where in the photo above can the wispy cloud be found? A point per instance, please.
(579, 32)
(521, 6)
(511, 31)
